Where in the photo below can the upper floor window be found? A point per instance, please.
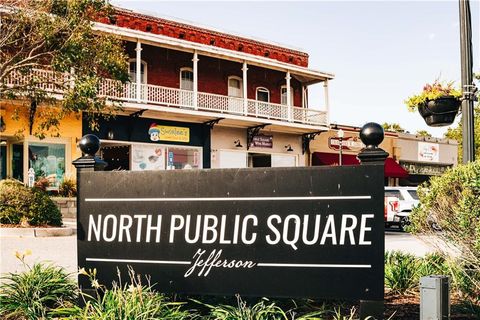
(133, 71)
(186, 79)
(283, 95)
(235, 87)
(263, 94)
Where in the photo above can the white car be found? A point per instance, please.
(399, 202)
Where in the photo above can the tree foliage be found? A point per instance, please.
(423, 133)
(57, 36)
(394, 127)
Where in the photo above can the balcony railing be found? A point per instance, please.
(165, 96)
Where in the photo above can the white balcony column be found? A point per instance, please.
(303, 96)
(195, 79)
(245, 92)
(289, 105)
(327, 104)
(138, 70)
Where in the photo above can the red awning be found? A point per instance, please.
(392, 168)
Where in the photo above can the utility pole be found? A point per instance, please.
(467, 82)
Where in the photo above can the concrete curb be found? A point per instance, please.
(37, 232)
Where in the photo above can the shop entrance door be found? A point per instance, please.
(259, 160)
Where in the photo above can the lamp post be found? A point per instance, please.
(468, 88)
(340, 135)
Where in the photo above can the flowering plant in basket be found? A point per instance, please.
(432, 92)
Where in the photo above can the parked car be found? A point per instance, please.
(399, 202)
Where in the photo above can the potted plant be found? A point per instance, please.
(438, 103)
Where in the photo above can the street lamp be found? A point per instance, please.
(340, 135)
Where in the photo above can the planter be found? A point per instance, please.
(440, 112)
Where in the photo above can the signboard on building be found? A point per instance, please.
(292, 232)
(428, 152)
(168, 133)
(424, 169)
(348, 143)
(262, 141)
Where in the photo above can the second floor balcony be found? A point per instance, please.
(149, 94)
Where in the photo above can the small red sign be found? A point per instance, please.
(262, 141)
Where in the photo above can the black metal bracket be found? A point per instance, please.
(252, 132)
(212, 123)
(306, 138)
(137, 114)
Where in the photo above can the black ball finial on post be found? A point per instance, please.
(89, 144)
(372, 135)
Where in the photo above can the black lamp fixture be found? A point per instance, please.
(237, 143)
(110, 134)
(289, 148)
(3, 126)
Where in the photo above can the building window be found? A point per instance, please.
(235, 87)
(48, 162)
(133, 71)
(283, 94)
(186, 79)
(263, 94)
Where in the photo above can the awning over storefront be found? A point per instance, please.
(392, 168)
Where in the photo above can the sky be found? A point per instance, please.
(380, 52)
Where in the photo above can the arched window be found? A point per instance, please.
(283, 95)
(263, 94)
(186, 79)
(235, 87)
(133, 70)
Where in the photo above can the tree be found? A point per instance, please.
(395, 127)
(423, 133)
(56, 36)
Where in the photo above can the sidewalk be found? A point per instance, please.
(69, 228)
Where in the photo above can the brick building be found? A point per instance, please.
(198, 98)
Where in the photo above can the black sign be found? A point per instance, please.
(292, 232)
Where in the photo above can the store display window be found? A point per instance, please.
(48, 161)
(183, 158)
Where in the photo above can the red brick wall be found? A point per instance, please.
(136, 21)
(163, 69)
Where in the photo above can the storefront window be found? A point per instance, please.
(183, 158)
(148, 157)
(48, 161)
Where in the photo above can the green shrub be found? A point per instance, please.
(36, 293)
(401, 273)
(452, 201)
(130, 301)
(19, 204)
(262, 310)
(433, 263)
(68, 188)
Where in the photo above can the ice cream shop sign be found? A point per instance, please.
(292, 232)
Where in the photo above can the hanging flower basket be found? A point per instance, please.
(441, 111)
(438, 103)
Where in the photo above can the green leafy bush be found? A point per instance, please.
(133, 300)
(36, 293)
(20, 204)
(401, 271)
(68, 188)
(451, 203)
